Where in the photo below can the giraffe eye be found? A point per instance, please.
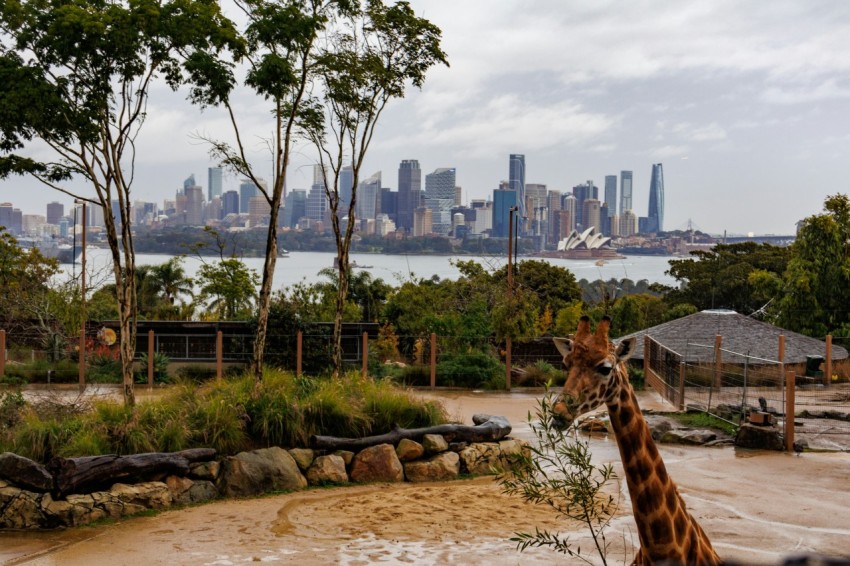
(603, 369)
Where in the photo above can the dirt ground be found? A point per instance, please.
(757, 507)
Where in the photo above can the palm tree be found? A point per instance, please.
(171, 281)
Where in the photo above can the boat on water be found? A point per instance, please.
(283, 253)
(50, 248)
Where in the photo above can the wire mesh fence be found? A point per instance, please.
(731, 385)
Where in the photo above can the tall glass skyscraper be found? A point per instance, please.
(625, 191)
(503, 200)
(215, 182)
(440, 197)
(346, 188)
(516, 180)
(409, 192)
(611, 194)
(656, 200)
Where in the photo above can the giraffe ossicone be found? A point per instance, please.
(596, 374)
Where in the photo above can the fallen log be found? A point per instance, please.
(92, 473)
(487, 429)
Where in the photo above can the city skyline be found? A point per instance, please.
(744, 104)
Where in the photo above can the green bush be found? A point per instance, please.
(473, 369)
(160, 368)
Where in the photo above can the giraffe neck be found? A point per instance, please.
(665, 528)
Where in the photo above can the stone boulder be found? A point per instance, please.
(481, 458)
(759, 437)
(377, 464)
(148, 495)
(443, 466)
(22, 509)
(205, 471)
(512, 452)
(303, 457)
(434, 443)
(409, 450)
(25, 473)
(260, 471)
(691, 437)
(185, 491)
(346, 455)
(202, 490)
(327, 469)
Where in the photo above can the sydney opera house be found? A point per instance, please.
(588, 244)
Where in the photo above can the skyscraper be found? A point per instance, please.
(247, 191)
(656, 200)
(503, 200)
(215, 182)
(516, 180)
(611, 194)
(368, 195)
(625, 192)
(582, 193)
(296, 207)
(55, 212)
(409, 192)
(440, 198)
(230, 203)
(346, 185)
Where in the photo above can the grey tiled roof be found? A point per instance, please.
(739, 333)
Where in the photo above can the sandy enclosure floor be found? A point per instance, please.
(756, 507)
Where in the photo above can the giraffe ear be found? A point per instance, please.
(625, 349)
(564, 345)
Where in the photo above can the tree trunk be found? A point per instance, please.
(264, 299)
(487, 429)
(91, 473)
(341, 296)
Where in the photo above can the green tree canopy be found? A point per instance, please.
(228, 289)
(816, 296)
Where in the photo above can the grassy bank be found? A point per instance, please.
(229, 416)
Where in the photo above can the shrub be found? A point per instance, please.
(472, 369)
(160, 368)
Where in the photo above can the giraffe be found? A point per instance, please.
(597, 374)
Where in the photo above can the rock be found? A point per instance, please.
(22, 509)
(327, 469)
(659, 428)
(202, 490)
(205, 471)
(149, 495)
(481, 458)
(303, 457)
(75, 510)
(260, 471)
(25, 473)
(512, 452)
(691, 437)
(346, 455)
(409, 450)
(434, 443)
(761, 437)
(593, 425)
(377, 463)
(457, 446)
(443, 466)
(179, 488)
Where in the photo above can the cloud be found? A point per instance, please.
(824, 90)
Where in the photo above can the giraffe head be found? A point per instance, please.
(592, 368)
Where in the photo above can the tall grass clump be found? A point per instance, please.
(386, 405)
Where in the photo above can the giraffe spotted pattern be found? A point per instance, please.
(596, 374)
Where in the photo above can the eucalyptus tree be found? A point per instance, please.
(369, 57)
(279, 64)
(75, 78)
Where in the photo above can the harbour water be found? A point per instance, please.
(396, 269)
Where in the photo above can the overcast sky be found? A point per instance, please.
(746, 104)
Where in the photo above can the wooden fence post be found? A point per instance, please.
(83, 358)
(718, 361)
(789, 410)
(298, 345)
(219, 355)
(150, 358)
(433, 360)
(2, 352)
(508, 363)
(827, 364)
(365, 370)
(682, 366)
